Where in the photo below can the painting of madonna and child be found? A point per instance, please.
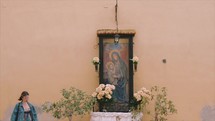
(116, 72)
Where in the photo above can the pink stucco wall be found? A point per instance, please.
(47, 45)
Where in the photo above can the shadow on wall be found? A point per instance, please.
(208, 113)
(41, 115)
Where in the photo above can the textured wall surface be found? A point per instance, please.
(208, 113)
(47, 45)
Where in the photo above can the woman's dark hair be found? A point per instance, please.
(24, 93)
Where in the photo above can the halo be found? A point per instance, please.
(110, 54)
(108, 63)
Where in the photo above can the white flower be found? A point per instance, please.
(108, 85)
(99, 97)
(102, 86)
(108, 96)
(143, 88)
(135, 58)
(96, 60)
(140, 92)
(108, 89)
(102, 93)
(99, 89)
(112, 87)
(137, 96)
(106, 92)
(94, 94)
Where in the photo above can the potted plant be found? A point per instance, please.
(139, 101)
(162, 105)
(103, 95)
(73, 102)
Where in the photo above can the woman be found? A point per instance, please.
(24, 111)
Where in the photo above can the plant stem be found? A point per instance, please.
(70, 118)
(156, 116)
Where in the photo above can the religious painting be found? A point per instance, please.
(116, 69)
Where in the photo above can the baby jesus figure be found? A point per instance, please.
(112, 77)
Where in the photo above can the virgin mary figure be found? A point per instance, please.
(121, 74)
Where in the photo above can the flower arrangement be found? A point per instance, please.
(140, 100)
(135, 61)
(103, 94)
(96, 62)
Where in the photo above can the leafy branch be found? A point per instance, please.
(74, 102)
(163, 106)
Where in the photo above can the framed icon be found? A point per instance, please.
(116, 66)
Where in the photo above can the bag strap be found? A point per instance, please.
(17, 113)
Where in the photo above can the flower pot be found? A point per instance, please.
(103, 107)
(96, 67)
(135, 67)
